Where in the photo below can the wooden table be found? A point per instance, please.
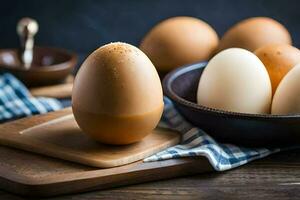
(275, 177)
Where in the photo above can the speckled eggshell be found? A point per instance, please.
(117, 95)
(235, 80)
(279, 59)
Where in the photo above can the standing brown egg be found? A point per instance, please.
(255, 32)
(178, 41)
(117, 95)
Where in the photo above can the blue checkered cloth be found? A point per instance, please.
(17, 102)
(195, 142)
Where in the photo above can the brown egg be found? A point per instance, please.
(279, 59)
(253, 33)
(178, 41)
(117, 95)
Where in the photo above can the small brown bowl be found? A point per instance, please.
(49, 66)
(243, 129)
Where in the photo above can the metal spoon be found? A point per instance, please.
(26, 29)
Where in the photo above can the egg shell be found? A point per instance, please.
(117, 95)
(253, 33)
(286, 99)
(235, 80)
(279, 59)
(178, 41)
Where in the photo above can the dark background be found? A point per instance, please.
(84, 25)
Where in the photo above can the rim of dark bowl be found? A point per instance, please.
(55, 67)
(168, 91)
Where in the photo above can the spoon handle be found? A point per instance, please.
(26, 29)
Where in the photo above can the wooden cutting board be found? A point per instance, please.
(31, 174)
(62, 90)
(57, 134)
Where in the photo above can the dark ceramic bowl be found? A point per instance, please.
(181, 86)
(49, 66)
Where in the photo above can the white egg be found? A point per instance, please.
(235, 80)
(286, 99)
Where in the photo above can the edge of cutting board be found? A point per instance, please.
(60, 90)
(100, 179)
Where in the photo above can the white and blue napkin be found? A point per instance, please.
(16, 101)
(195, 142)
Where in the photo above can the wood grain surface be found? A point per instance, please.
(63, 90)
(30, 174)
(276, 177)
(61, 137)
